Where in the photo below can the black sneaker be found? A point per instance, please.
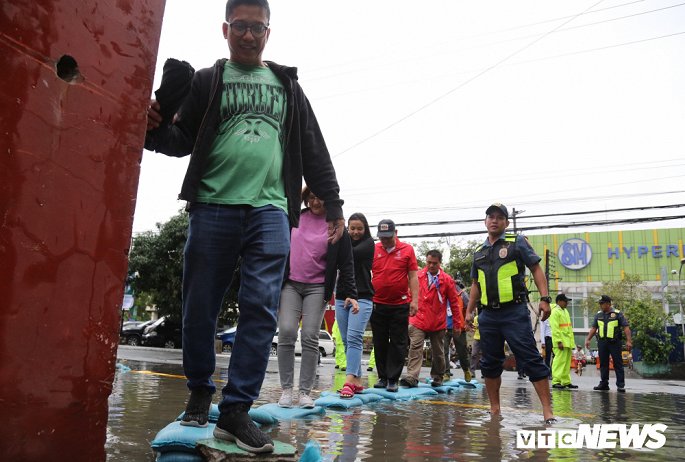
(601, 387)
(369, 369)
(197, 409)
(550, 421)
(392, 386)
(558, 385)
(436, 383)
(621, 390)
(236, 425)
(409, 382)
(382, 383)
(571, 386)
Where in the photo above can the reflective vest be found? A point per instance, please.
(606, 329)
(500, 273)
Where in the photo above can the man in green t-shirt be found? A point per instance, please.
(252, 136)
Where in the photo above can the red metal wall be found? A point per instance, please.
(69, 164)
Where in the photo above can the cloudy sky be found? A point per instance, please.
(434, 109)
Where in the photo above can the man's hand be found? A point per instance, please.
(351, 302)
(154, 118)
(560, 345)
(335, 230)
(468, 319)
(587, 344)
(629, 345)
(457, 330)
(413, 308)
(545, 310)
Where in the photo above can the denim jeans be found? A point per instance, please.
(352, 327)
(305, 302)
(217, 236)
(513, 325)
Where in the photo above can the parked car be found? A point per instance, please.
(326, 344)
(227, 338)
(132, 332)
(164, 332)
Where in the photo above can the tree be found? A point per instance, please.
(156, 259)
(457, 258)
(646, 316)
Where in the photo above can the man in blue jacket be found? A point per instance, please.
(252, 136)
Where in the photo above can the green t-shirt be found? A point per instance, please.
(245, 164)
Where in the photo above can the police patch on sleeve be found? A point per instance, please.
(503, 252)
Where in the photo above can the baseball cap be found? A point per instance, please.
(563, 297)
(499, 207)
(604, 299)
(386, 228)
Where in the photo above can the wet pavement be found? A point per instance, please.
(445, 427)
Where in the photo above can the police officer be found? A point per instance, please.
(608, 324)
(498, 274)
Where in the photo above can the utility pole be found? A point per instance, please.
(514, 212)
(547, 268)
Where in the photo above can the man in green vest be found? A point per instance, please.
(499, 286)
(608, 324)
(562, 343)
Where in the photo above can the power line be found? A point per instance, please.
(527, 203)
(520, 217)
(566, 225)
(461, 85)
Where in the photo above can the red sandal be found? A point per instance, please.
(347, 391)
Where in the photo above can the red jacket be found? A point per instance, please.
(432, 313)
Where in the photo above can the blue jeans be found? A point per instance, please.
(513, 325)
(217, 236)
(352, 327)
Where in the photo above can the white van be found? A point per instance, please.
(326, 344)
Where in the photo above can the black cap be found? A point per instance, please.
(604, 299)
(386, 228)
(563, 297)
(499, 207)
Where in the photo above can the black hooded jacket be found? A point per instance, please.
(305, 152)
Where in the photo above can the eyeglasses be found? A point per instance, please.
(240, 28)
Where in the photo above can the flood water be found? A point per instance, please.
(445, 427)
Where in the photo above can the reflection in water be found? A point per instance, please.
(449, 427)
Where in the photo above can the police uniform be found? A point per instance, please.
(499, 270)
(609, 327)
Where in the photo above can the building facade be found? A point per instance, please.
(578, 263)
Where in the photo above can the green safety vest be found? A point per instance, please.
(500, 273)
(607, 330)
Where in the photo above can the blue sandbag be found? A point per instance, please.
(122, 368)
(382, 392)
(179, 438)
(441, 389)
(284, 413)
(403, 393)
(464, 384)
(260, 417)
(311, 452)
(175, 456)
(334, 401)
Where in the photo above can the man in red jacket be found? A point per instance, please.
(436, 288)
